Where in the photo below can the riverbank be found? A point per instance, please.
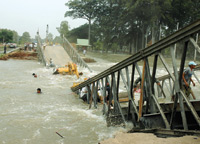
(7, 49)
(106, 56)
(148, 138)
(22, 55)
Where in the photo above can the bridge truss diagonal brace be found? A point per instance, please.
(196, 46)
(196, 116)
(40, 51)
(184, 120)
(177, 91)
(129, 94)
(74, 54)
(116, 102)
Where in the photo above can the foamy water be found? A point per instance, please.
(27, 117)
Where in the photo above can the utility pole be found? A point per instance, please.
(47, 33)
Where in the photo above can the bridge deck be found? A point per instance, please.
(58, 55)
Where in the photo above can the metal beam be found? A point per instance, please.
(177, 90)
(131, 92)
(150, 102)
(196, 46)
(166, 66)
(142, 91)
(116, 103)
(162, 44)
(129, 95)
(154, 73)
(190, 106)
(74, 54)
(161, 112)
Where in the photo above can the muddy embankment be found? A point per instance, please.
(23, 55)
(148, 138)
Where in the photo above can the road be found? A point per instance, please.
(58, 55)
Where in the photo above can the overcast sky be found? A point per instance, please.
(31, 15)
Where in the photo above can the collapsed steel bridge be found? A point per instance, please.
(181, 113)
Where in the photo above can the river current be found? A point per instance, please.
(30, 118)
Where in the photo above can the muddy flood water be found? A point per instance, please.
(30, 118)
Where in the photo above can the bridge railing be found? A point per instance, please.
(40, 52)
(121, 71)
(75, 57)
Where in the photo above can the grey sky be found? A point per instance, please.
(31, 15)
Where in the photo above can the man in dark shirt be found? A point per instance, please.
(5, 48)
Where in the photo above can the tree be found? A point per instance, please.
(82, 9)
(63, 29)
(132, 24)
(57, 39)
(50, 37)
(15, 37)
(25, 38)
(80, 32)
(6, 35)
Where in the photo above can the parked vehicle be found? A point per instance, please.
(12, 45)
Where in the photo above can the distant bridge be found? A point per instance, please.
(61, 55)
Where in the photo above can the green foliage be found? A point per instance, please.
(2, 55)
(85, 9)
(6, 36)
(80, 32)
(130, 24)
(57, 39)
(98, 45)
(63, 29)
(50, 37)
(25, 38)
(81, 9)
(15, 37)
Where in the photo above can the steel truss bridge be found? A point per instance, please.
(149, 113)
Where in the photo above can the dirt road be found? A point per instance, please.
(58, 55)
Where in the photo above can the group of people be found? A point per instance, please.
(38, 89)
(84, 93)
(29, 46)
(186, 80)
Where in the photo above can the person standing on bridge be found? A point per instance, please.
(187, 78)
(44, 46)
(84, 51)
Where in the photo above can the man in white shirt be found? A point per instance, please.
(83, 94)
